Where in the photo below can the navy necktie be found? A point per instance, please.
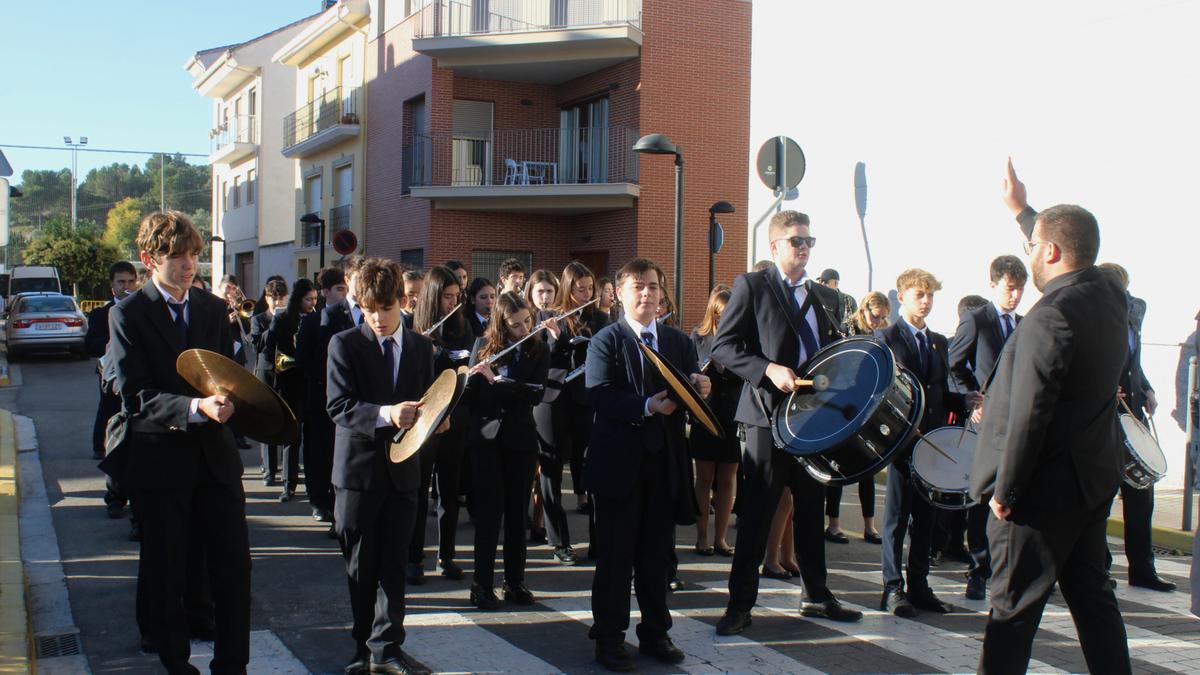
(389, 360)
(180, 322)
(807, 339)
(1006, 321)
(647, 377)
(923, 353)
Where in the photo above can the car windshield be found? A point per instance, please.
(48, 304)
(34, 285)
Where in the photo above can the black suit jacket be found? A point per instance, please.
(504, 411)
(1133, 378)
(477, 326)
(96, 339)
(357, 388)
(755, 332)
(1049, 441)
(939, 400)
(975, 348)
(164, 447)
(622, 435)
(264, 356)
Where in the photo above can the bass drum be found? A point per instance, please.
(944, 481)
(852, 429)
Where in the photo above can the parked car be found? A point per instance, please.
(40, 321)
(33, 278)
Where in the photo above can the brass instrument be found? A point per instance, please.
(283, 362)
(241, 305)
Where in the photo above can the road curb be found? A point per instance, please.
(15, 646)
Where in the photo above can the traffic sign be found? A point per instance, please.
(780, 163)
(344, 242)
(716, 237)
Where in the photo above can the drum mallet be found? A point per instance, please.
(817, 383)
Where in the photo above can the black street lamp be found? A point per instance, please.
(658, 144)
(309, 219)
(716, 236)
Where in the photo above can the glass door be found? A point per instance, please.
(583, 142)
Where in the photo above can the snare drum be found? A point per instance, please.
(852, 429)
(944, 483)
(1145, 462)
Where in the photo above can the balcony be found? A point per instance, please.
(540, 41)
(559, 171)
(321, 123)
(339, 219)
(234, 141)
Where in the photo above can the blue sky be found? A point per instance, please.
(113, 71)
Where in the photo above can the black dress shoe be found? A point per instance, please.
(895, 601)
(925, 600)
(675, 584)
(360, 662)
(663, 650)
(147, 646)
(836, 537)
(484, 597)
(936, 559)
(286, 496)
(321, 515)
(614, 657)
(772, 574)
(976, 587)
(1153, 582)
(270, 481)
(830, 609)
(733, 622)
(565, 555)
(396, 665)
(518, 594)
(114, 510)
(873, 537)
(414, 573)
(449, 570)
(1110, 580)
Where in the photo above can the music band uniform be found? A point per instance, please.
(264, 370)
(550, 423)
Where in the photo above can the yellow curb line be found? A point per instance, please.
(15, 645)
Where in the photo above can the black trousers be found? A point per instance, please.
(977, 541)
(501, 477)
(372, 528)
(169, 519)
(269, 453)
(579, 418)
(633, 538)
(110, 404)
(1138, 509)
(552, 429)
(1026, 561)
(290, 385)
(866, 498)
(901, 503)
(317, 437)
(442, 457)
(766, 470)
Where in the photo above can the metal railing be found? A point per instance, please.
(333, 108)
(339, 219)
(310, 234)
(524, 157)
(239, 129)
(445, 18)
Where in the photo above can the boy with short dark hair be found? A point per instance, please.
(512, 277)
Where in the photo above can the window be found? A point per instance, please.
(413, 257)
(486, 264)
(418, 151)
(583, 142)
(311, 234)
(250, 177)
(237, 191)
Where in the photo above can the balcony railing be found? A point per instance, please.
(334, 107)
(339, 219)
(239, 129)
(448, 18)
(520, 157)
(310, 234)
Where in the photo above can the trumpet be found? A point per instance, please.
(240, 305)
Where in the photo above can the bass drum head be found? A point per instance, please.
(934, 469)
(1142, 446)
(860, 372)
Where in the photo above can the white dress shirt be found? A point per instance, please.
(385, 411)
(800, 289)
(638, 329)
(173, 308)
(1012, 317)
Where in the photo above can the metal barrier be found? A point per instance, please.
(86, 306)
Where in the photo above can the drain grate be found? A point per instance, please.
(63, 644)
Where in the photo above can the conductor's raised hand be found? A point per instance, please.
(218, 408)
(702, 384)
(404, 415)
(782, 377)
(661, 405)
(1014, 190)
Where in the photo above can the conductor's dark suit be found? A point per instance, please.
(375, 506)
(182, 474)
(974, 351)
(635, 472)
(1049, 449)
(756, 329)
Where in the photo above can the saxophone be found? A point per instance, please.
(283, 362)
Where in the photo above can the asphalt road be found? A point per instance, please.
(299, 588)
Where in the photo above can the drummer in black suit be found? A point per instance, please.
(776, 320)
(923, 353)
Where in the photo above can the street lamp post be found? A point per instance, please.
(74, 172)
(658, 144)
(309, 219)
(713, 228)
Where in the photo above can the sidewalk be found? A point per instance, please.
(1168, 516)
(14, 618)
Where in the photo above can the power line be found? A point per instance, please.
(125, 152)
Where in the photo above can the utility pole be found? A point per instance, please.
(74, 173)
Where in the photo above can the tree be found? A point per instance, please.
(122, 226)
(189, 187)
(45, 194)
(203, 222)
(79, 254)
(109, 185)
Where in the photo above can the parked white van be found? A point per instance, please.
(33, 279)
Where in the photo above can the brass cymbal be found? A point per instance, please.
(683, 392)
(258, 412)
(439, 401)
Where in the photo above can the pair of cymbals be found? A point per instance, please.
(683, 392)
(438, 402)
(258, 411)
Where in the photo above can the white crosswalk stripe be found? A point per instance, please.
(448, 642)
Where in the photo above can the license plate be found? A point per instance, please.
(48, 326)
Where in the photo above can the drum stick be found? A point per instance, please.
(935, 447)
(817, 383)
(1126, 407)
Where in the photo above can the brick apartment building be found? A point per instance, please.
(505, 127)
